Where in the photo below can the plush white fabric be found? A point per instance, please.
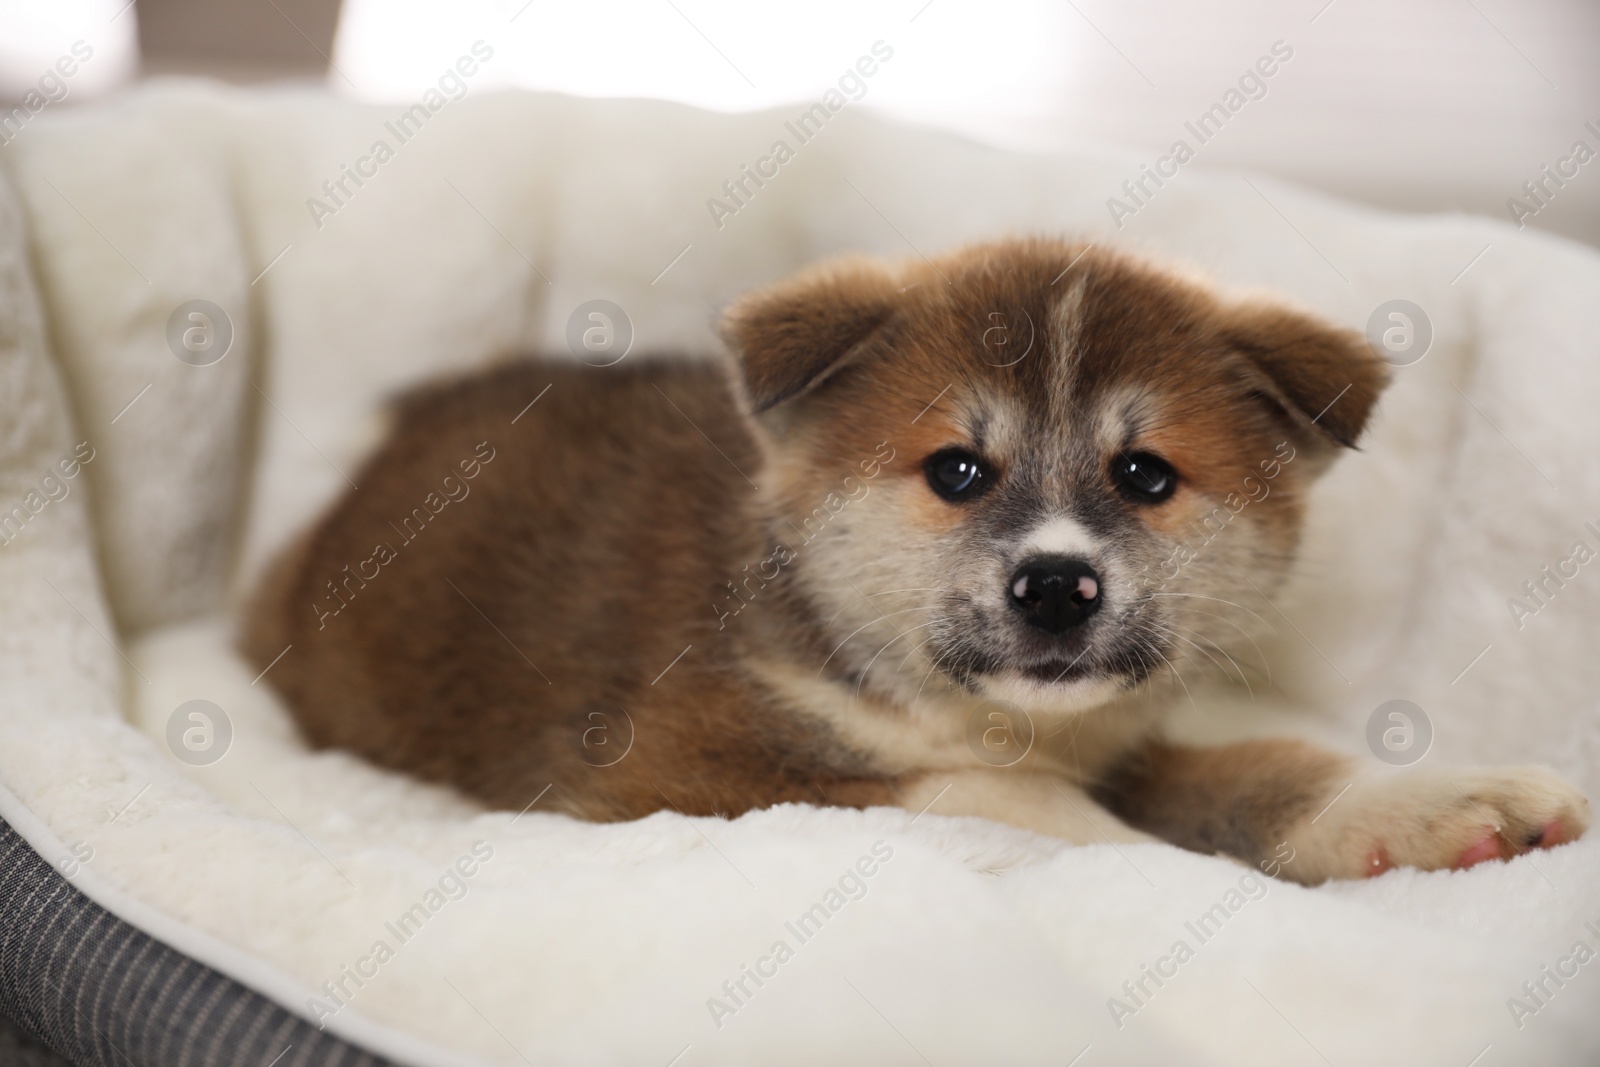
(602, 944)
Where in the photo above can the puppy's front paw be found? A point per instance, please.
(1439, 820)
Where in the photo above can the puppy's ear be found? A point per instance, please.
(793, 336)
(1323, 377)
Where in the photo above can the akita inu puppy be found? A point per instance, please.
(928, 538)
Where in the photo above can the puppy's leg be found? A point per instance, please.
(1265, 801)
(1044, 803)
(1439, 819)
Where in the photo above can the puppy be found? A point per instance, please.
(935, 538)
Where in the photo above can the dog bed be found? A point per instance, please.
(152, 461)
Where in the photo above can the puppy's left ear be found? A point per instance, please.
(792, 337)
(1324, 378)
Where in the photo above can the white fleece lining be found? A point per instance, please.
(248, 970)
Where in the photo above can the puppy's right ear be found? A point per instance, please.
(793, 336)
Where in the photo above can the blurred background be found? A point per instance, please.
(1427, 105)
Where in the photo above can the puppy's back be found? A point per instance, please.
(527, 545)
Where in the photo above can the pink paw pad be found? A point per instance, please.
(1485, 848)
(1377, 862)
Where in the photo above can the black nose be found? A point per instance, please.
(1055, 594)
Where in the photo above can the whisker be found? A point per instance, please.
(934, 668)
(886, 592)
(1224, 651)
(1219, 600)
(1185, 637)
(1179, 676)
(1265, 667)
(868, 668)
(883, 616)
(915, 648)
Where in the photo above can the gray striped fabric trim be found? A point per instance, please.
(106, 994)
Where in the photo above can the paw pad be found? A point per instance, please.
(1485, 848)
(1494, 845)
(1377, 862)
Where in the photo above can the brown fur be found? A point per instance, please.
(488, 688)
(1240, 799)
(664, 585)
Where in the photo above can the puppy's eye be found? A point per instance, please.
(956, 474)
(1144, 478)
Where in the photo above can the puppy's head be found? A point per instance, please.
(1033, 471)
